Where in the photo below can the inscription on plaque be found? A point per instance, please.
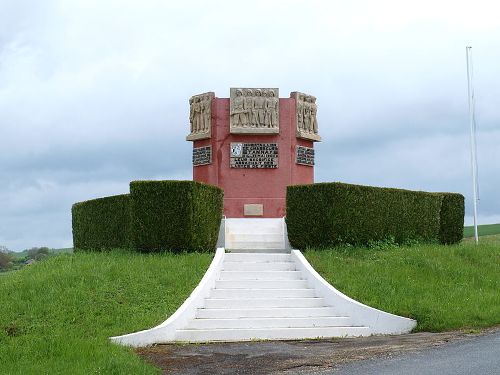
(254, 155)
(202, 155)
(304, 155)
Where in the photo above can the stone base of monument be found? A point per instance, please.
(265, 296)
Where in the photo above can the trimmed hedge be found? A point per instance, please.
(175, 215)
(331, 214)
(155, 216)
(101, 223)
(451, 228)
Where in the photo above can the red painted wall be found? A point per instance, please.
(262, 186)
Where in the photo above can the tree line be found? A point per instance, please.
(10, 260)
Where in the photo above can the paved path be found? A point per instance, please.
(426, 351)
(480, 355)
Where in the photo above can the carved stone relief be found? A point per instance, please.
(254, 110)
(306, 119)
(200, 116)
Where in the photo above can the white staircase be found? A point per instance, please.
(263, 296)
(259, 289)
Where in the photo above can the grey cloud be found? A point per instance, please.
(94, 94)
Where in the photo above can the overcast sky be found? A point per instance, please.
(94, 94)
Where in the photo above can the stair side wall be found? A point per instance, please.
(380, 322)
(165, 332)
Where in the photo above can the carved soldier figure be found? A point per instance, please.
(248, 106)
(314, 110)
(238, 110)
(267, 117)
(259, 103)
(197, 114)
(307, 114)
(300, 111)
(271, 110)
(191, 114)
(206, 112)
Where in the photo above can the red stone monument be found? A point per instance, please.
(253, 145)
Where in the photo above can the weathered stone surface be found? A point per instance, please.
(254, 155)
(254, 110)
(306, 119)
(200, 116)
(202, 155)
(304, 155)
(253, 209)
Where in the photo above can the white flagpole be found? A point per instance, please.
(473, 148)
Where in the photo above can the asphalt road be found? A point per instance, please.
(479, 355)
(442, 353)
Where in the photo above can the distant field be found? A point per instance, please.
(23, 254)
(482, 230)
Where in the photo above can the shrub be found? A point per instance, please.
(175, 215)
(101, 223)
(331, 214)
(451, 224)
(38, 253)
(5, 260)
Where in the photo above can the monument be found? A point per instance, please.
(253, 145)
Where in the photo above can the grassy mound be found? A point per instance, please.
(56, 316)
(442, 287)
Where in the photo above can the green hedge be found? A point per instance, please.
(452, 218)
(101, 223)
(331, 214)
(155, 216)
(175, 215)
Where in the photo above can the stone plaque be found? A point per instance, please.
(254, 155)
(254, 111)
(304, 155)
(253, 209)
(200, 116)
(305, 116)
(202, 155)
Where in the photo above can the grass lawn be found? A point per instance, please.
(56, 315)
(442, 287)
(482, 230)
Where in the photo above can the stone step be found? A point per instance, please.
(260, 275)
(231, 334)
(256, 244)
(257, 251)
(258, 266)
(261, 237)
(273, 312)
(238, 323)
(239, 303)
(257, 257)
(262, 293)
(261, 284)
(254, 225)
